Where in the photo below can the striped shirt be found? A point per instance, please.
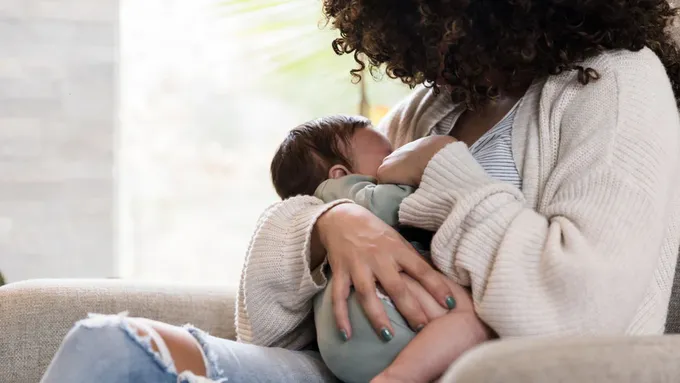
(493, 150)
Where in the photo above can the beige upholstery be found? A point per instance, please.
(653, 359)
(36, 315)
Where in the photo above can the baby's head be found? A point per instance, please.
(329, 147)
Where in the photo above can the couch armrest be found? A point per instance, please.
(561, 360)
(35, 315)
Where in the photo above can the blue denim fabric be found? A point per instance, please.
(105, 349)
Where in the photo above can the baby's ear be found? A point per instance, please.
(337, 171)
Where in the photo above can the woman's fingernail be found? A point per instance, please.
(386, 334)
(420, 327)
(344, 336)
(450, 303)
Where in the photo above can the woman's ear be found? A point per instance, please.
(337, 171)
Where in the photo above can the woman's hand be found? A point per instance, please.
(407, 164)
(363, 250)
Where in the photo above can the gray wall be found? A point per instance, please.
(58, 84)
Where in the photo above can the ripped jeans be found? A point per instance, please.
(108, 349)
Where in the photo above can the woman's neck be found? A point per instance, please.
(472, 125)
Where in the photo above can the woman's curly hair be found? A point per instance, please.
(458, 43)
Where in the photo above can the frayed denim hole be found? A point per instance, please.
(145, 343)
(215, 373)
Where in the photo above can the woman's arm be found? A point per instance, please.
(284, 269)
(585, 259)
(282, 272)
(283, 266)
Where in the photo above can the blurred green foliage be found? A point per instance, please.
(292, 39)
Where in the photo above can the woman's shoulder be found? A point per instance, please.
(620, 77)
(643, 63)
(630, 98)
(618, 68)
(415, 115)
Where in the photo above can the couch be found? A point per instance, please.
(35, 315)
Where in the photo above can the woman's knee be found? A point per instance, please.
(173, 344)
(129, 346)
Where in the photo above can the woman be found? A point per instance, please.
(585, 245)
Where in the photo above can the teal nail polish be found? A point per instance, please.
(450, 303)
(420, 327)
(386, 334)
(344, 336)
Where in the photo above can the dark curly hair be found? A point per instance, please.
(458, 43)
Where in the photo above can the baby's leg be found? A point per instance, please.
(440, 344)
(365, 355)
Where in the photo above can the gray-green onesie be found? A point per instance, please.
(381, 200)
(365, 355)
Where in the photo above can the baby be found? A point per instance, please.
(338, 157)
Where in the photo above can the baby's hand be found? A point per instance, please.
(406, 165)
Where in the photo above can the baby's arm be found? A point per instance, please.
(435, 348)
(440, 343)
(381, 200)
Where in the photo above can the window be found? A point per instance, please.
(208, 90)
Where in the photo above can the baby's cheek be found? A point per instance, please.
(368, 168)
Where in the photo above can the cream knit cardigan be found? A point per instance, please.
(588, 246)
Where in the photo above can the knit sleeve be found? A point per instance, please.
(275, 292)
(582, 261)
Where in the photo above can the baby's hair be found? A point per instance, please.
(308, 152)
